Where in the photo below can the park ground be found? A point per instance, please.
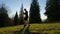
(46, 28)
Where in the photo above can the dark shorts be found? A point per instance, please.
(26, 18)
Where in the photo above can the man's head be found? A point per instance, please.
(25, 9)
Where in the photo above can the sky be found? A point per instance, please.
(15, 5)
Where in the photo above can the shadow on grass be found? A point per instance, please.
(26, 30)
(20, 31)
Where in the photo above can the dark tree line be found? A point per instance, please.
(21, 18)
(5, 20)
(53, 10)
(34, 12)
(16, 19)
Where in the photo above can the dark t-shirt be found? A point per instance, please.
(26, 15)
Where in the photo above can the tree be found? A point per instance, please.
(16, 19)
(52, 10)
(4, 19)
(21, 15)
(34, 12)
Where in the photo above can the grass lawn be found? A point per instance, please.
(51, 28)
(46, 28)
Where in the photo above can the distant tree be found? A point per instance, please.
(21, 15)
(16, 19)
(11, 23)
(34, 16)
(4, 19)
(52, 10)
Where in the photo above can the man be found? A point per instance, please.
(26, 17)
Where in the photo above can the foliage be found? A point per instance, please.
(34, 16)
(4, 19)
(52, 10)
(21, 15)
(16, 19)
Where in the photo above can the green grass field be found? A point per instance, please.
(51, 28)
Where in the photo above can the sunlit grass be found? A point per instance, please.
(45, 28)
(50, 28)
(13, 28)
